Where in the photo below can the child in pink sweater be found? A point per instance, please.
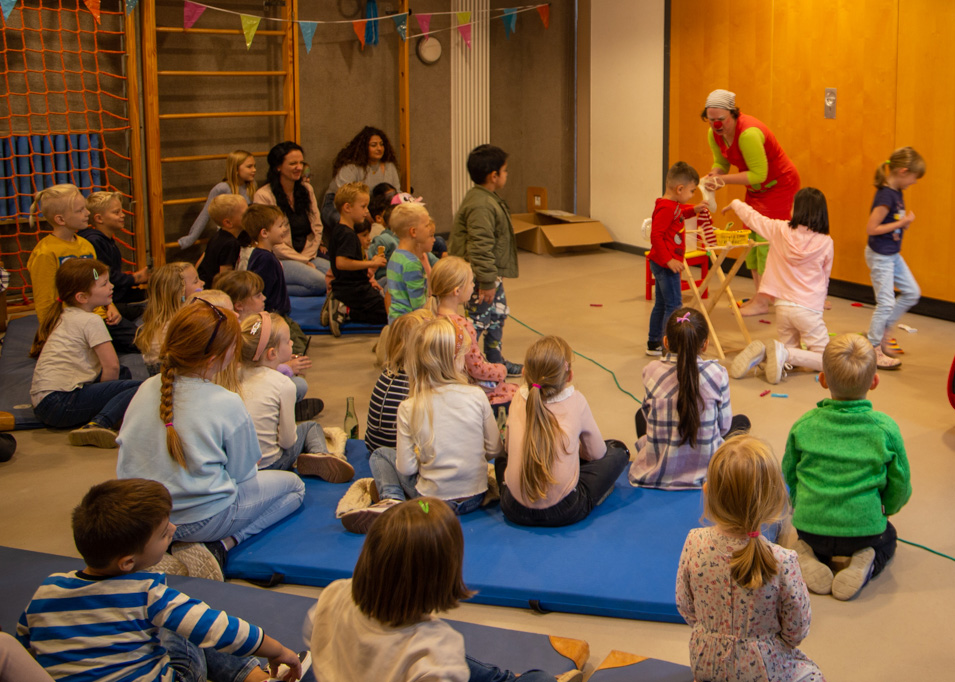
(797, 276)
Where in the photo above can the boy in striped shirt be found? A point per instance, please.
(407, 272)
(114, 621)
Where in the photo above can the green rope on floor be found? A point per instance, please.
(928, 549)
(609, 371)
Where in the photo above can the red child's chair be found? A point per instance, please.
(698, 259)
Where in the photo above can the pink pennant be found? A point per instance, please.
(424, 22)
(191, 13)
(544, 11)
(93, 7)
(465, 32)
(359, 27)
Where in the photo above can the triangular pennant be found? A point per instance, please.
(93, 7)
(250, 25)
(131, 5)
(359, 26)
(465, 32)
(510, 22)
(7, 7)
(463, 18)
(191, 13)
(401, 25)
(424, 22)
(308, 32)
(371, 28)
(544, 11)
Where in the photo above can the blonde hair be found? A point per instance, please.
(52, 202)
(225, 206)
(232, 163)
(903, 157)
(744, 490)
(348, 194)
(448, 274)
(251, 333)
(167, 294)
(400, 338)
(439, 344)
(239, 284)
(849, 364)
(405, 216)
(75, 276)
(98, 202)
(213, 296)
(546, 371)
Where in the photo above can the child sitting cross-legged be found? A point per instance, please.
(381, 624)
(117, 620)
(446, 434)
(269, 396)
(846, 468)
(407, 280)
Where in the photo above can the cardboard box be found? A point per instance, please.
(551, 231)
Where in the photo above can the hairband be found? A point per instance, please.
(424, 506)
(684, 318)
(754, 534)
(887, 162)
(168, 425)
(537, 386)
(59, 300)
(264, 329)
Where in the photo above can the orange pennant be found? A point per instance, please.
(544, 11)
(93, 7)
(359, 27)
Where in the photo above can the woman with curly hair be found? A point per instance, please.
(368, 158)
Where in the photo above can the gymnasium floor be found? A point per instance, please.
(896, 629)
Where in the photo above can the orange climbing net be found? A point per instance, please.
(63, 118)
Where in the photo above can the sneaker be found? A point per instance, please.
(776, 356)
(327, 309)
(360, 520)
(199, 560)
(817, 575)
(883, 361)
(891, 347)
(654, 348)
(849, 581)
(360, 494)
(304, 657)
(747, 359)
(95, 435)
(169, 565)
(337, 316)
(8, 446)
(308, 408)
(513, 369)
(327, 467)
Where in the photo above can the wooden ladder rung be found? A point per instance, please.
(222, 114)
(191, 200)
(216, 31)
(223, 73)
(202, 157)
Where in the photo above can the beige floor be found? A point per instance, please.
(895, 630)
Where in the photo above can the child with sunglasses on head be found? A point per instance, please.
(197, 438)
(78, 381)
(169, 288)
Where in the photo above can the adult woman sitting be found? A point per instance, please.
(368, 158)
(304, 268)
(770, 178)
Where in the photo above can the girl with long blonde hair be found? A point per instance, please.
(170, 287)
(558, 467)
(239, 179)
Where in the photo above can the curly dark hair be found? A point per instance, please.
(356, 151)
(275, 158)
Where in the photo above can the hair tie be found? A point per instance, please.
(264, 329)
(59, 300)
(886, 163)
(684, 318)
(754, 534)
(537, 386)
(168, 425)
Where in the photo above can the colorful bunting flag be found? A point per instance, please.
(371, 28)
(308, 32)
(544, 11)
(7, 7)
(463, 18)
(359, 26)
(464, 27)
(131, 5)
(250, 25)
(401, 25)
(424, 22)
(510, 22)
(191, 13)
(93, 7)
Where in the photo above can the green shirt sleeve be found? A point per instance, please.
(752, 145)
(719, 161)
(898, 484)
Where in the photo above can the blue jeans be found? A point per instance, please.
(193, 664)
(668, 298)
(889, 273)
(304, 280)
(103, 402)
(484, 672)
(301, 387)
(309, 438)
(259, 503)
(488, 318)
(394, 486)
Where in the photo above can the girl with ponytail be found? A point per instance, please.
(197, 438)
(558, 467)
(686, 413)
(744, 596)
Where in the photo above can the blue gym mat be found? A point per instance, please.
(307, 311)
(621, 561)
(283, 615)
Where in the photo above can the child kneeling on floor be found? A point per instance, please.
(686, 414)
(558, 467)
(743, 596)
(380, 625)
(116, 620)
(269, 397)
(446, 434)
(846, 469)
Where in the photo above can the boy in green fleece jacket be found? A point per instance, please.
(846, 469)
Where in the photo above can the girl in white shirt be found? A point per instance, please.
(78, 381)
(269, 396)
(446, 432)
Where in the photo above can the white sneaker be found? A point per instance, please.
(849, 581)
(883, 361)
(776, 356)
(747, 359)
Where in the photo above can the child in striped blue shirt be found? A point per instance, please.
(116, 620)
(407, 272)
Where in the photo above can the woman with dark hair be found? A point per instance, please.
(770, 178)
(368, 158)
(304, 268)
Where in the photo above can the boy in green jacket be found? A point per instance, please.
(846, 469)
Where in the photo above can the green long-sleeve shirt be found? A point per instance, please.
(846, 469)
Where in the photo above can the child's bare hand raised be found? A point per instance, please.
(725, 209)
(698, 209)
(379, 262)
(299, 363)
